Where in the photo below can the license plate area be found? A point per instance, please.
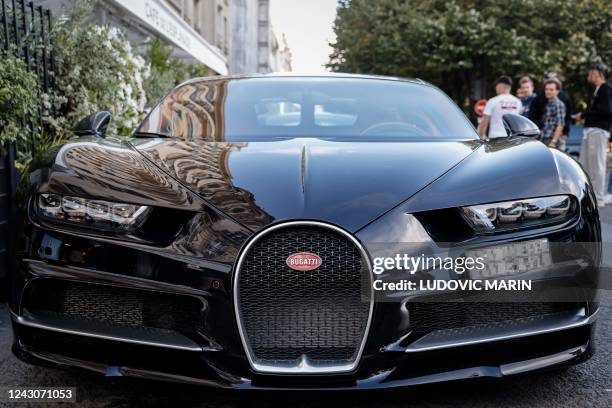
(512, 258)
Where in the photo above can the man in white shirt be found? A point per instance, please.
(498, 106)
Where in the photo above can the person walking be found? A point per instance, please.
(553, 119)
(491, 125)
(596, 132)
(526, 94)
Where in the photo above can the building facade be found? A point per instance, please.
(255, 47)
(228, 36)
(197, 30)
(209, 18)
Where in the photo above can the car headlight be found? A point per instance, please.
(94, 214)
(518, 214)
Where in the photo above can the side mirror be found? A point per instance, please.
(517, 125)
(93, 125)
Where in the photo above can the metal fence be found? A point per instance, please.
(8, 180)
(24, 30)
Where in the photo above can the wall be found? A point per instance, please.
(243, 37)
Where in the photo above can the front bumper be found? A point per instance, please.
(212, 353)
(118, 359)
(215, 358)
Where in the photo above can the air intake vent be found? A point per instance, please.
(116, 306)
(428, 317)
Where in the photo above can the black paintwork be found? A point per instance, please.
(225, 192)
(518, 125)
(345, 183)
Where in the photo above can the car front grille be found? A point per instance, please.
(115, 306)
(290, 318)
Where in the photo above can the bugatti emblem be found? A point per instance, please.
(304, 261)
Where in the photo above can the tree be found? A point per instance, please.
(462, 45)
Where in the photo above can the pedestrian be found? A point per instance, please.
(491, 125)
(538, 106)
(527, 94)
(597, 124)
(553, 119)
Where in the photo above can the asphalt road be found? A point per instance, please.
(589, 384)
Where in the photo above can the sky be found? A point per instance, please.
(308, 27)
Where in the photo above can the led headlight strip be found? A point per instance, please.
(509, 215)
(91, 213)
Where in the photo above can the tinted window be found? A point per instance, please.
(270, 108)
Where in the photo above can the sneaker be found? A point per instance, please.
(608, 199)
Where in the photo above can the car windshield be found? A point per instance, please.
(261, 109)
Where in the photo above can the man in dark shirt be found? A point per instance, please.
(527, 95)
(597, 124)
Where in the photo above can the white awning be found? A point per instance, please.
(164, 20)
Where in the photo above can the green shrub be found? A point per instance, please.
(97, 70)
(18, 99)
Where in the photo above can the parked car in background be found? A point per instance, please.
(574, 141)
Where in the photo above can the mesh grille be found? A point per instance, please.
(117, 306)
(320, 314)
(431, 316)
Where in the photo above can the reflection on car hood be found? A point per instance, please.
(346, 183)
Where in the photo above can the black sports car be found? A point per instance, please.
(251, 234)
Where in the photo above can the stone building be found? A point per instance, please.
(228, 36)
(255, 47)
(197, 30)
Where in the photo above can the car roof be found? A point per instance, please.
(307, 75)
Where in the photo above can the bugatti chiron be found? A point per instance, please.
(230, 240)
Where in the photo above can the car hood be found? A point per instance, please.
(346, 183)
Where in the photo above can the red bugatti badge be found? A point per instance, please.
(304, 261)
